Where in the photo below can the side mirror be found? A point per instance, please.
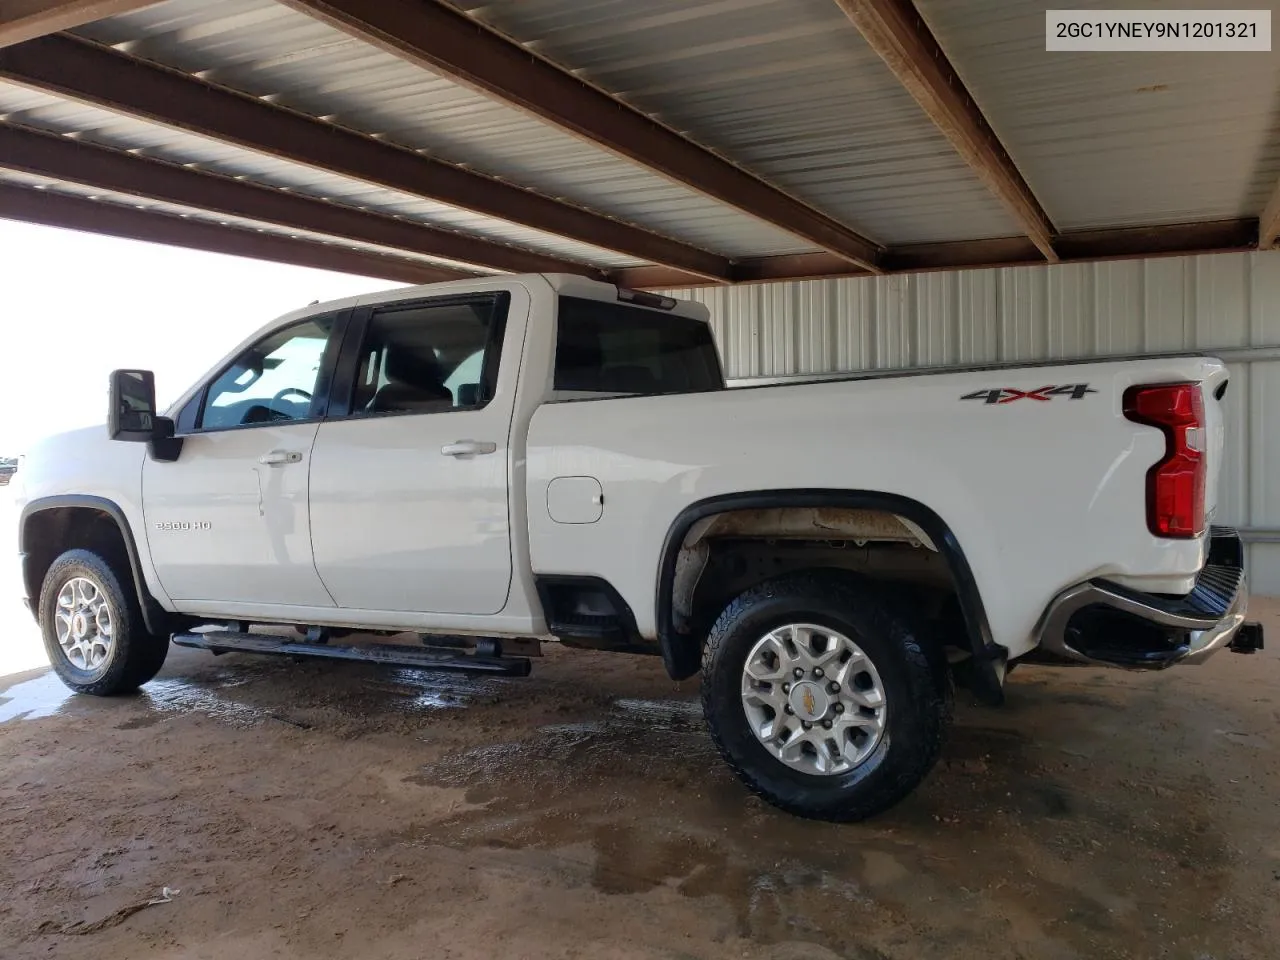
(131, 414)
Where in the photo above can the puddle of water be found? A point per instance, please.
(671, 714)
(43, 696)
(441, 690)
(179, 696)
(47, 696)
(636, 735)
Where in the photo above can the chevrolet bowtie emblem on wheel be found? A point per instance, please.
(810, 705)
(1072, 391)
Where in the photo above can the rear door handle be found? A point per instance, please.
(277, 457)
(468, 448)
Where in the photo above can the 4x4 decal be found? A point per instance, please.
(1072, 391)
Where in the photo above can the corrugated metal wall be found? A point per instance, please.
(1226, 302)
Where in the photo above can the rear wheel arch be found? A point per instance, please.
(50, 526)
(682, 651)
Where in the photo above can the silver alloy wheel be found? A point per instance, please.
(82, 618)
(813, 698)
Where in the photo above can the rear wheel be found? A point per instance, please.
(92, 627)
(822, 697)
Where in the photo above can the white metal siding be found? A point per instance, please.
(1227, 302)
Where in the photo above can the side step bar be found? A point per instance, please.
(387, 654)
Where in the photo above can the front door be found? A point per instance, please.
(227, 522)
(409, 472)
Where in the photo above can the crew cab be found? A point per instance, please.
(449, 476)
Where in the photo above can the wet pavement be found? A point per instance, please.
(315, 810)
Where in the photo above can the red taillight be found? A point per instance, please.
(1175, 485)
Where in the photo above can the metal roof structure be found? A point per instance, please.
(656, 143)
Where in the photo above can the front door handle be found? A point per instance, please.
(277, 457)
(468, 448)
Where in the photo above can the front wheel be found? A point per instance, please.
(822, 698)
(93, 630)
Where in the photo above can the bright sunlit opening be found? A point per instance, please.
(75, 306)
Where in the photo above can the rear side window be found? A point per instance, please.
(612, 348)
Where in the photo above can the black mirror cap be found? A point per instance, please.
(131, 411)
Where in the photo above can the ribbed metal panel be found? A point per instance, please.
(787, 88)
(1227, 302)
(263, 48)
(1115, 139)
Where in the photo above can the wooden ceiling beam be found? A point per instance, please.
(75, 161)
(896, 31)
(1126, 243)
(1269, 222)
(51, 209)
(22, 20)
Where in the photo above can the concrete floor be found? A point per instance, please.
(336, 810)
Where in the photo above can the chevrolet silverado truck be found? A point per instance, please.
(452, 475)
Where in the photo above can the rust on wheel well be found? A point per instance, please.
(799, 537)
(727, 553)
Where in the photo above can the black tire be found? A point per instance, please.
(135, 655)
(917, 694)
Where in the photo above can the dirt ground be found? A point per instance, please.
(337, 810)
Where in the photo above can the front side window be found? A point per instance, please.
(274, 380)
(430, 357)
(616, 349)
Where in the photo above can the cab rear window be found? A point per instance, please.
(614, 349)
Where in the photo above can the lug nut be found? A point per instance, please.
(786, 688)
(839, 708)
(798, 673)
(788, 709)
(826, 724)
(806, 724)
(817, 672)
(833, 687)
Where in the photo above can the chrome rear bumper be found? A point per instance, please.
(1103, 623)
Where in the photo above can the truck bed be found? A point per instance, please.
(1034, 468)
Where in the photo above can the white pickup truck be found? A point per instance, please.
(469, 469)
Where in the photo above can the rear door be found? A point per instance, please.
(409, 473)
